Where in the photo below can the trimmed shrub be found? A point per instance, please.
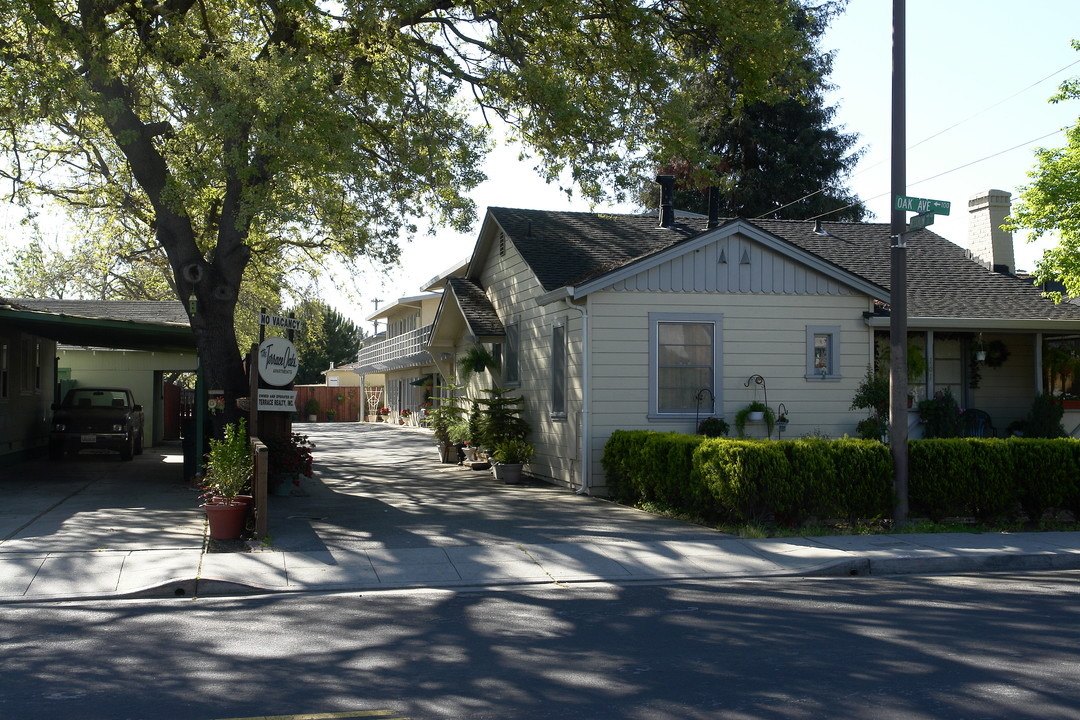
(864, 478)
(742, 475)
(812, 483)
(992, 485)
(940, 476)
(622, 461)
(668, 474)
(1043, 470)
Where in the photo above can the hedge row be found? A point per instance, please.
(792, 480)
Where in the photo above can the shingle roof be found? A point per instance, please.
(477, 309)
(147, 311)
(563, 248)
(568, 248)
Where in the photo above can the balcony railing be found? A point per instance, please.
(394, 352)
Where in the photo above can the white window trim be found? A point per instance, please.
(833, 331)
(717, 320)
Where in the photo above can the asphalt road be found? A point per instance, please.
(896, 647)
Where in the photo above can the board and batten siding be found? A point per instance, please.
(767, 305)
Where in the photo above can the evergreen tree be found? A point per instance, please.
(773, 151)
(328, 337)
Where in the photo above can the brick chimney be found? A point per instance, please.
(987, 242)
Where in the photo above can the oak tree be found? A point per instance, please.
(231, 130)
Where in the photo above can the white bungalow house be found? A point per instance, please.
(607, 322)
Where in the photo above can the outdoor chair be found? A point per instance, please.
(977, 424)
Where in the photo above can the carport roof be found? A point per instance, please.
(127, 325)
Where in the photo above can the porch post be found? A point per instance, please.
(1039, 389)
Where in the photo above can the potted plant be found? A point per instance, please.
(499, 418)
(782, 421)
(713, 427)
(330, 415)
(289, 458)
(383, 413)
(229, 467)
(446, 420)
(755, 412)
(311, 409)
(509, 455)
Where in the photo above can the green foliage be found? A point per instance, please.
(990, 478)
(477, 359)
(743, 474)
(1044, 420)
(940, 478)
(774, 151)
(713, 427)
(234, 135)
(1044, 471)
(744, 414)
(864, 477)
(872, 394)
(940, 416)
(1051, 203)
(447, 417)
(327, 337)
(621, 460)
(229, 463)
(512, 451)
(499, 418)
(812, 482)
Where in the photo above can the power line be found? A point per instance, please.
(946, 172)
(927, 139)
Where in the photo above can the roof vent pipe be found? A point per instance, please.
(667, 192)
(714, 208)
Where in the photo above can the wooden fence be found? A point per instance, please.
(346, 403)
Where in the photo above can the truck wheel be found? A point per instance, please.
(139, 445)
(56, 451)
(127, 450)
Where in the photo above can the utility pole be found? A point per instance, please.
(898, 415)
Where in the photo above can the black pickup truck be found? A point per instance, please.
(97, 418)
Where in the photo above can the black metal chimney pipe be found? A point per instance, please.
(667, 193)
(714, 208)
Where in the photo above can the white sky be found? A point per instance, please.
(979, 74)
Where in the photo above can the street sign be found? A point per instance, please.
(920, 221)
(922, 205)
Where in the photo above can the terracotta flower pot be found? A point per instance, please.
(226, 520)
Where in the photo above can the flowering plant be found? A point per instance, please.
(406, 413)
(291, 455)
(384, 411)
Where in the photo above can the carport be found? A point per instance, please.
(88, 324)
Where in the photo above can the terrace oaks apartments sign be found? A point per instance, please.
(277, 366)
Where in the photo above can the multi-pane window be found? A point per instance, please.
(558, 370)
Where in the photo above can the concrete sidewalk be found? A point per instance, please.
(382, 513)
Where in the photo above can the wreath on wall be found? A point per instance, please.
(996, 353)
